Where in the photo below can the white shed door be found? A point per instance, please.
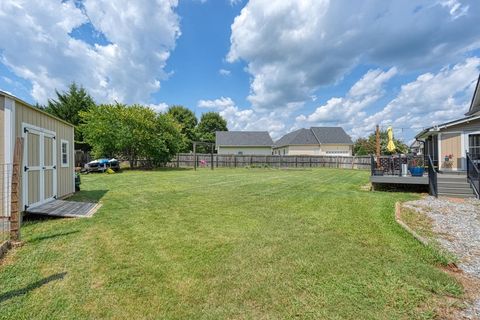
(40, 167)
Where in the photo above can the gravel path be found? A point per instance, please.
(457, 226)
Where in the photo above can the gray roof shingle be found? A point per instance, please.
(315, 136)
(331, 135)
(297, 137)
(243, 138)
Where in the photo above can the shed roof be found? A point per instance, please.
(6, 94)
(315, 136)
(243, 138)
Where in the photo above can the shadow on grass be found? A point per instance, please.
(88, 196)
(56, 235)
(32, 218)
(20, 292)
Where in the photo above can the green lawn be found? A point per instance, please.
(232, 243)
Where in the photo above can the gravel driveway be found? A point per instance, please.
(456, 223)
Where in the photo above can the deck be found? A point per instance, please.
(63, 208)
(391, 179)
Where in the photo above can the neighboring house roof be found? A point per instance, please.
(475, 105)
(331, 135)
(297, 137)
(243, 139)
(315, 136)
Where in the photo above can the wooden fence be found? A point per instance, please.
(183, 160)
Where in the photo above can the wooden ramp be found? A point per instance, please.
(62, 208)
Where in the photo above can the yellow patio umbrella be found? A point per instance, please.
(390, 146)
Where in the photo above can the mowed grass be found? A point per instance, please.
(227, 244)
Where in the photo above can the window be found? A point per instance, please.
(65, 153)
(240, 153)
(474, 145)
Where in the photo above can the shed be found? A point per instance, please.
(48, 171)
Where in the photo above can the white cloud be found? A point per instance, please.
(247, 119)
(235, 2)
(159, 107)
(224, 72)
(220, 103)
(129, 68)
(363, 93)
(293, 48)
(430, 99)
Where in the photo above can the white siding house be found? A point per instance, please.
(243, 142)
(318, 141)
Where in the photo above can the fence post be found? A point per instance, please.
(216, 159)
(211, 156)
(296, 163)
(234, 160)
(178, 160)
(338, 165)
(15, 217)
(194, 156)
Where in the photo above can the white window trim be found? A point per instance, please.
(64, 165)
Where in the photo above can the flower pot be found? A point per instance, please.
(378, 172)
(417, 171)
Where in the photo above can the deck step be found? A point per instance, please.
(458, 191)
(453, 185)
(451, 195)
(452, 179)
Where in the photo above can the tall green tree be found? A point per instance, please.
(366, 146)
(132, 133)
(210, 122)
(69, 104)
(188, 121)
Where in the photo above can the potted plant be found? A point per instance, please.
(416, 168)
(378, 171)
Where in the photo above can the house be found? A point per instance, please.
(449, 143)
(329, 141)
(47, 168)
(243, 142)
(416, 147)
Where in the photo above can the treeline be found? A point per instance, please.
(132, 132)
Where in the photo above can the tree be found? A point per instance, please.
(365, 146)
(131, 132)
(210, 122)
(69, 104)
(188, 121)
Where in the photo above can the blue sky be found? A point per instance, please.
(264, 65)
